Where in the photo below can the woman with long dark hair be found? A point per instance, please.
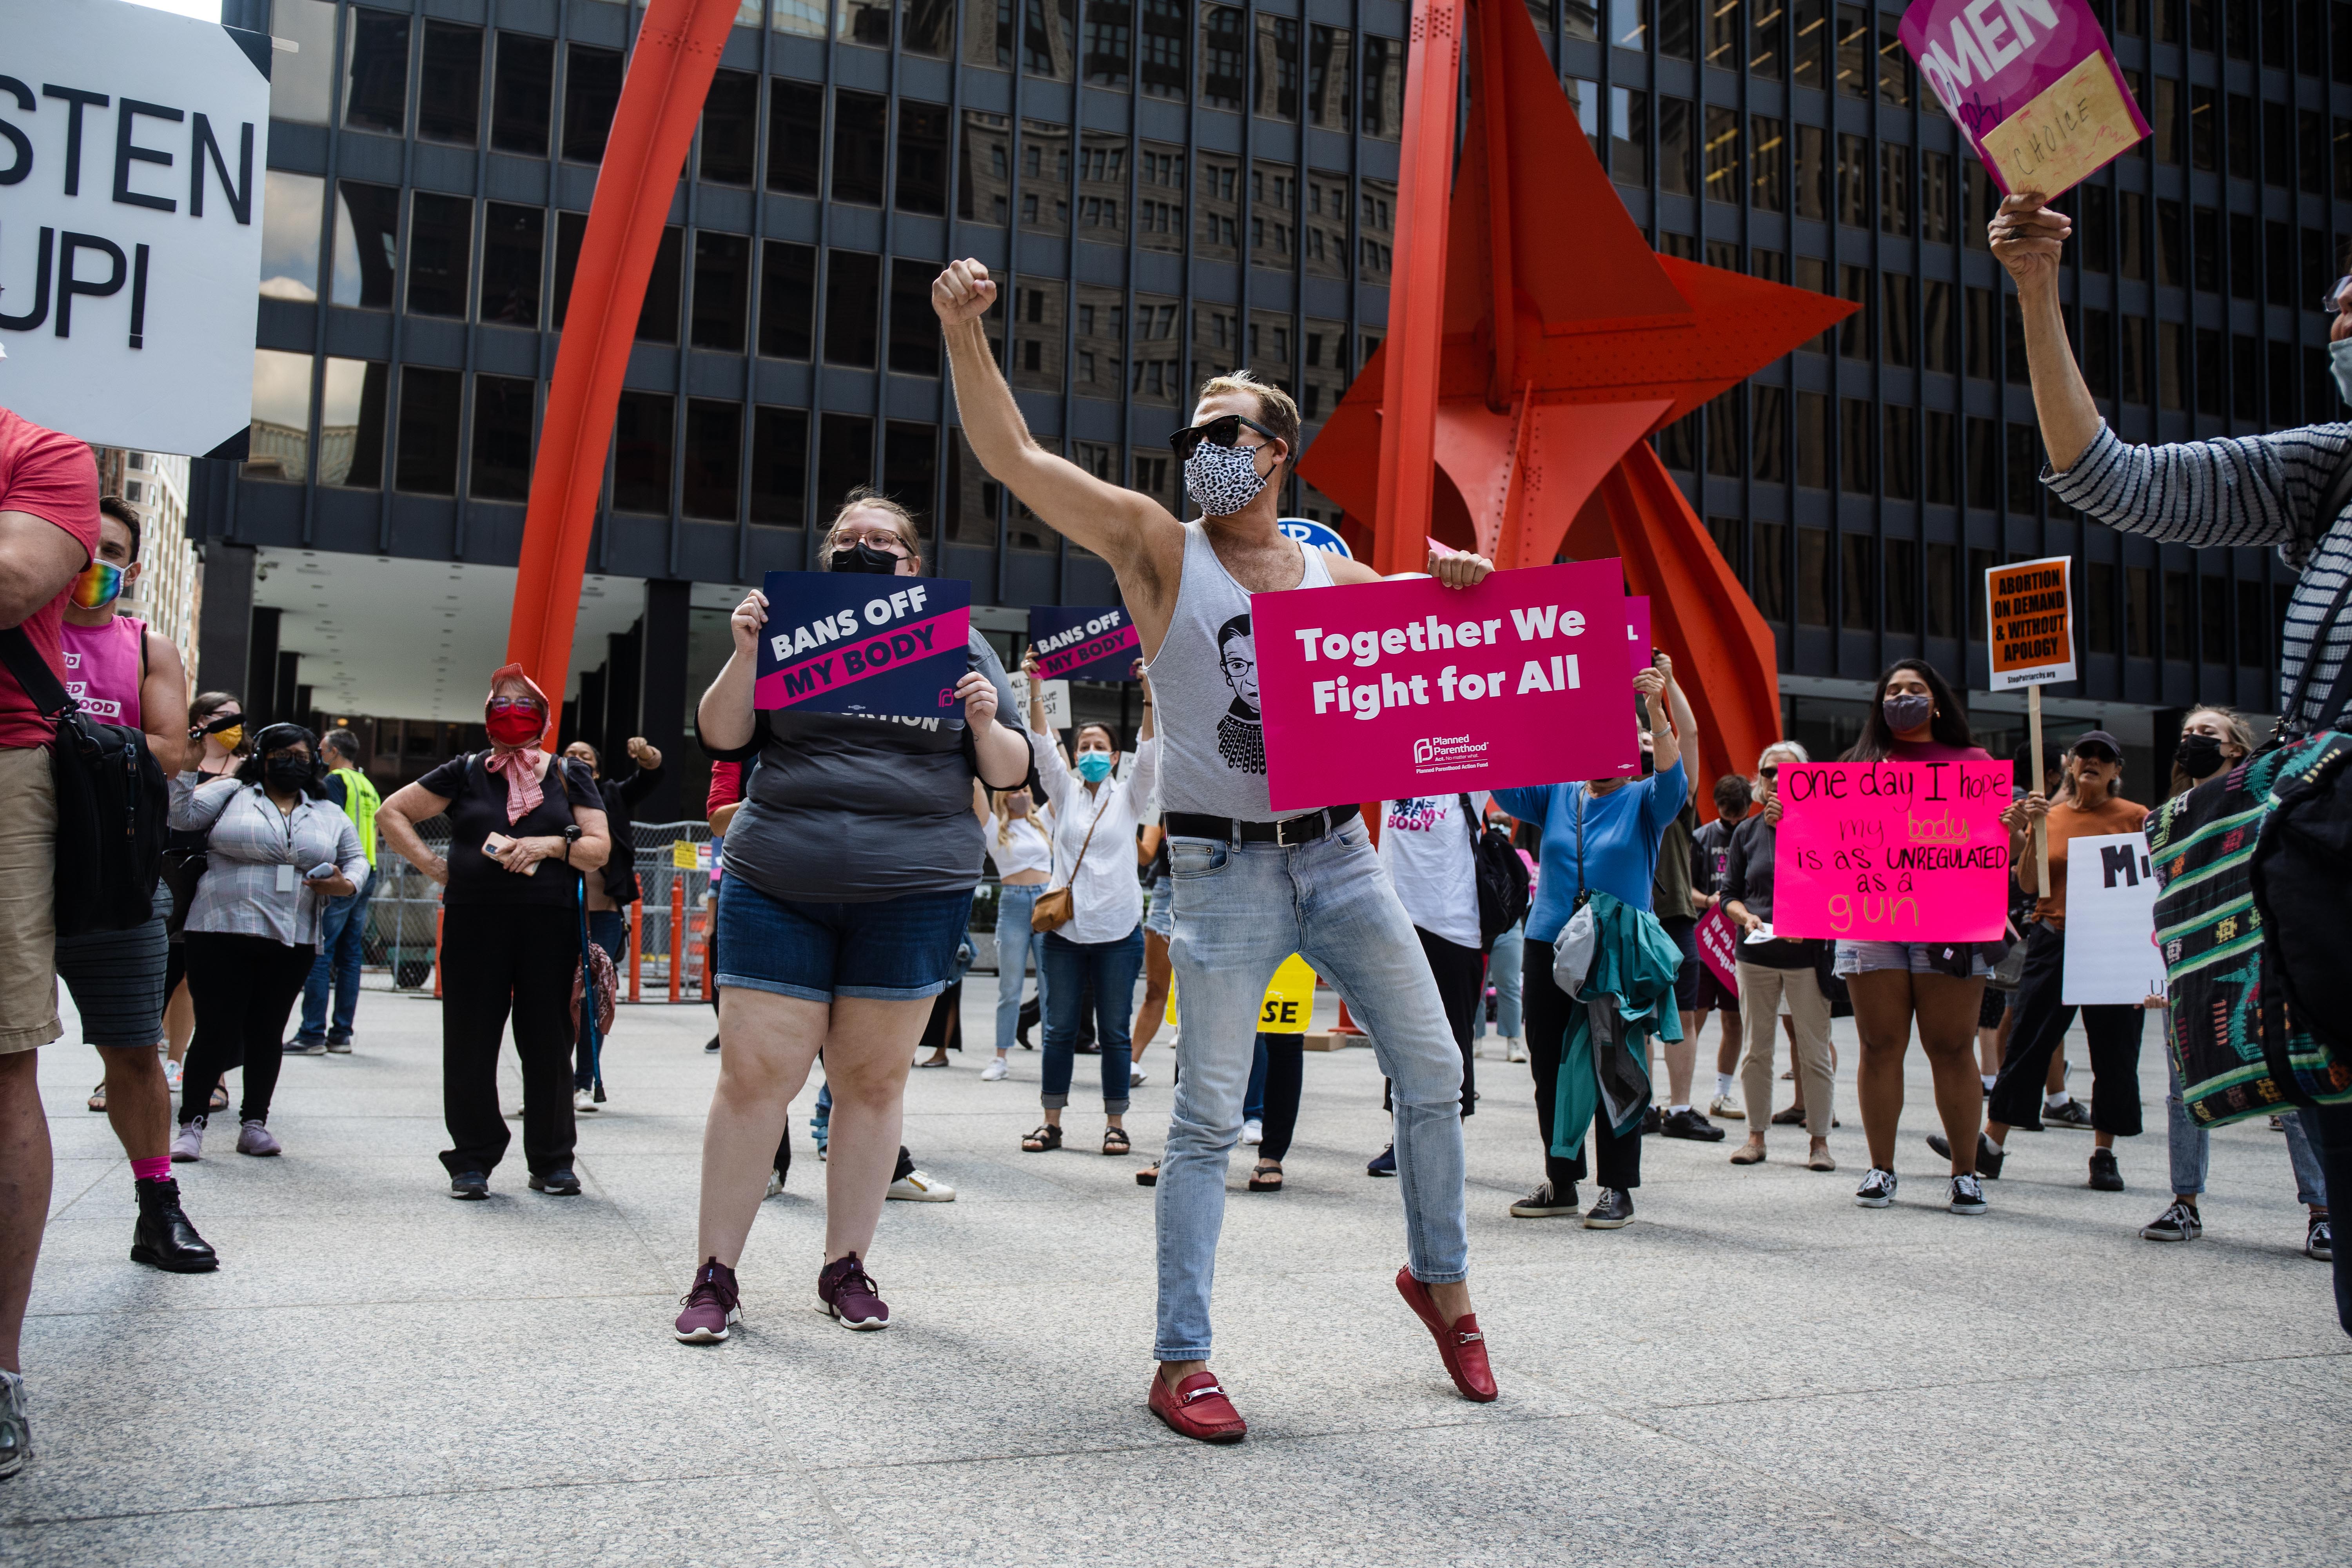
(1915, 717)
(278, 850)
(523, 827)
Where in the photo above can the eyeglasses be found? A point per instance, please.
(515, 705)
(2335, 300)
(1224, 430)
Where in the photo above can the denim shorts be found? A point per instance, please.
(891, 950)
(1918, 957)
(1161, 916)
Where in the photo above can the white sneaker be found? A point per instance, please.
(171, 1071)
(917, 1187)
(1514, 1049)
(1136, 1076)
(994, 1072)
(1253, 1131)
(585, 1100)
(1727, 1107)
(775, 1185)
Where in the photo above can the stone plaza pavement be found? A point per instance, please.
(1756, 1372)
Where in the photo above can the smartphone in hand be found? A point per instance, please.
(323, 872)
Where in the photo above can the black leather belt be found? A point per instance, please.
(1290, 831)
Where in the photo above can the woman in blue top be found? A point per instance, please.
(1624, 822)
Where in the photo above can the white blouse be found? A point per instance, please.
(1106, 901)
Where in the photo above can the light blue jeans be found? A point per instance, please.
(343, 932)
(1241, 908)
(1503, 969)
(2191, 1145)
(1016, 947)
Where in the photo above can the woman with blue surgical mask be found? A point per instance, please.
(1094, 825)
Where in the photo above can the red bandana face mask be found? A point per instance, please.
(513, 722)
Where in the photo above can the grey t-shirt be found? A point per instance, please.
(843, 809)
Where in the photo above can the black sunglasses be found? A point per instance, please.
(1223, 431)
(1769, 770)
(2096, 753)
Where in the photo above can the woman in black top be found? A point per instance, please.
(614, 887)
(523, 827)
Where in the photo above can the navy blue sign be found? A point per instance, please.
(855, 642)
(1082, 642)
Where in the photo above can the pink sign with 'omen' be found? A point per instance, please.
(1911, 852)
(1383, 690)
(2033, 82)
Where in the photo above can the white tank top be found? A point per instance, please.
(1025, 849)
(1204, 689)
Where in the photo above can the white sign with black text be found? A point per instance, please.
(132, 148)
(2111, 951)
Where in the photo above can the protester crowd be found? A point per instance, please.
(1128, 869)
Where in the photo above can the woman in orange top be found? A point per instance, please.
(2091, 808)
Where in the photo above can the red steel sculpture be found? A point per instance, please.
(669, 74)
(1535, 340)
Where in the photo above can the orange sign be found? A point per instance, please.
(2031, 621)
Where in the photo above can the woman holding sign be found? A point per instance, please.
(1094, 931)
(1774, 969)
(850, 870)
(1915, 718)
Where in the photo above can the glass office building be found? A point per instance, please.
(1168, 188)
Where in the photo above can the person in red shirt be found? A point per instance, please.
(48, 533)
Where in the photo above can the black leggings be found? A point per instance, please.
(244, 988)
(2041, 1028)
(497, 958)
(1285, 1071)
(1546, 1009)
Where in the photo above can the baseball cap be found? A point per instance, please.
(2098, 738)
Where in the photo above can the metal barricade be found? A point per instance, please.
(405, 912)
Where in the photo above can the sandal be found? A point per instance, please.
(1266, 1168)
(1147, 1177)
(98, 1097)
(220, 1097)
(1046, 1137)
(1115, 1140)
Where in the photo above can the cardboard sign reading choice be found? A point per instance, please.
(853, 642)
(1891, 851)
(1383, 690)
(1084, 642)
(2033, 82)
(2111, 951)
(2030, 607)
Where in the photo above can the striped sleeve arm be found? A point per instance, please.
(2246, 489)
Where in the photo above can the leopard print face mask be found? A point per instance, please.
(1221, 480)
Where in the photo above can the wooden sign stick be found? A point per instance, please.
(2040, 825)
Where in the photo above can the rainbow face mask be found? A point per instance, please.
(98, 586)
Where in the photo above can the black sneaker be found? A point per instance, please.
(1877, 1190)
(1545, 1203)
(1989, 1157)
(559, 1182)
(2320, 1240)
(469, 1184)
(1649, 1121)
(1612, 1210)
(2105, 1176)
(711, 1044)
(1382, 1164)
(298, 1046)
(1688, 1123)
(2073, 1114)
(1967, 1195)
(2178, 1223)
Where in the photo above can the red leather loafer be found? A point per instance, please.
(1462, 1345)
(1198, 1408)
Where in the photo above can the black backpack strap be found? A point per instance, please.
(33, 674)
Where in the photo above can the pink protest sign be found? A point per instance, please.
(2033, 82)
(1637, 630)
(1384, 690)
(1718, 947)
(1891, 851)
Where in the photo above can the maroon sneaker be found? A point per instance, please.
(846, 1292)
(1197, 1408)
(711, 1306)
(1461, 1343)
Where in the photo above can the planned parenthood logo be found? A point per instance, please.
(1448, 755)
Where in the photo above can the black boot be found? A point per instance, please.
(165, 1239)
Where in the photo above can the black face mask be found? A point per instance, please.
(287, 775)
(2198, 756)
(864, 557)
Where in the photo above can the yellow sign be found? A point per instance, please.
(2075, 127)
(1290, 1000)
(681, 854)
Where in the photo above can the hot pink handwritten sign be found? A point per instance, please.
(2032, 83)
(1891, 851)
(1719, 946)
(1637, 630)
(1384, 690)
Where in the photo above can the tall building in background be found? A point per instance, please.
(170, 594)
(1168, 188)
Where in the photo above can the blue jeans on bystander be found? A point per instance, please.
(1017, 947)
(1113, 967)
(342, 933)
